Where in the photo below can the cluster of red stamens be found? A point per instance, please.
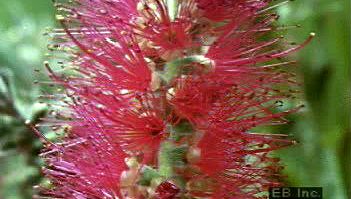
(160, 99)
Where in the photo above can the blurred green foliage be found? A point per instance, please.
(322, 158)
(22, 49)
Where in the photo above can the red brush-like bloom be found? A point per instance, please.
(86, 164)
(229, 95)
(168, 37)
(236, 160)
(159, 33)
(138, 128)
(238, 164)
(161, 97)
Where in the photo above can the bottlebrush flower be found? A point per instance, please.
(161, 97)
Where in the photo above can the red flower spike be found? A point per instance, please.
(198, 76)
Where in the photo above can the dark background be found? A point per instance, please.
(322, 158)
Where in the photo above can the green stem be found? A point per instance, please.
(165, 161)
(172, 68)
